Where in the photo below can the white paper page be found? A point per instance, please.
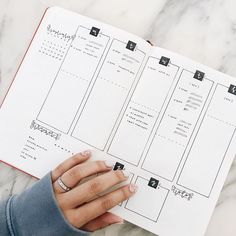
(181, 128)
(173, 132)
(74, 82)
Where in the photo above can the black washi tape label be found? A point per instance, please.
(164, 61)
(153, 183)
(232, 89)
(199, 75)
(118, 166)
(94, 31)
(131, 45)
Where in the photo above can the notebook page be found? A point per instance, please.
(181, 124)
(164, 118)
(73, 83)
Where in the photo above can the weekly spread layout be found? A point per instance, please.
(166, 119)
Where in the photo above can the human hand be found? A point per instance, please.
(81, 205)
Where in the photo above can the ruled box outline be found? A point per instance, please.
(159, 213)
(174, 78)
(181, 159)
(135, 78)
(196, 135)
(49, 91)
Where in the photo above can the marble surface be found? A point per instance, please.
(203, 30)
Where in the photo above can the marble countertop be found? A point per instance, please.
(203, 30)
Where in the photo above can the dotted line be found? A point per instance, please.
(63, 148)
(118, 85)
(149, 108)
(225, 122)
(43, 49)
(51, 55)
(55, 44)
(53, 49)
(74, 75)
(171, 140)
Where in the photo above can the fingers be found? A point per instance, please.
(99, 206)
(73, 176)
(102, 221)
(69, 163)
(87, 191)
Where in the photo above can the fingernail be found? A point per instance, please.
(126, 173)
(133, 188)
(119, 223)
(110, 164)
(86, 153)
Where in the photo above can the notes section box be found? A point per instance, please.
(209, 148)
(72, 80)
(151, 208)
(142, 111)
(177, 124)
(108, 95)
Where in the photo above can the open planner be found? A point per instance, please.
(166, 119)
